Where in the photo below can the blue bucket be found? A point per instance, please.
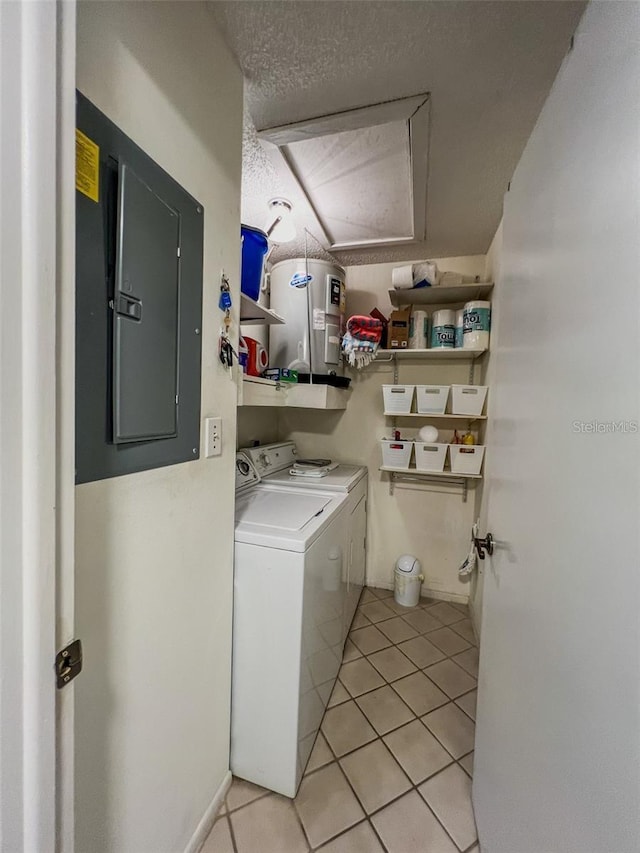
(254, 247)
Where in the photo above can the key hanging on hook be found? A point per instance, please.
(225, 302)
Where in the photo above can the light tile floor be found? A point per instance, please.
(391, 767)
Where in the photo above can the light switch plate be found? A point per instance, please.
(213, 436)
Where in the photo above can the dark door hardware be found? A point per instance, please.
(68, 663)
(483, 545)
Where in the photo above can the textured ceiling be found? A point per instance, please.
(487, 65)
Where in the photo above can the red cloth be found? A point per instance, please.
(365, 328)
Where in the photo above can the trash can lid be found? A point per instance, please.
(408, 564)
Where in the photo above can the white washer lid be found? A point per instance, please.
(280, 510)
(341, 479)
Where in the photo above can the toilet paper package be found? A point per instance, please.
(418, 329)
(459, 341)
(402, 277)
(476, 325)
(443, 329)
(425, 274)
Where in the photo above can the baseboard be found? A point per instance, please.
(475, 622)
(458, 597)
(204, 827)
(440, 595)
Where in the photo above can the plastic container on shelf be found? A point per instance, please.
(254, 248)
(468, 399)
(430, 457)
(432, 399)
(396, 454)
(465, 458)
(398, 399)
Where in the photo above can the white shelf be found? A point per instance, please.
(441, 295)
(253, 314)
(431, 416)
(317, 396)
(444, 475)
(432, 354)
(256, 391)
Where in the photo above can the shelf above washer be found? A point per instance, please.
(253, 314)
(256, 391)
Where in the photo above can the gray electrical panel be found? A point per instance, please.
(139, 252)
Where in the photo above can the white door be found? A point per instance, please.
(36, 467)
(557, 764)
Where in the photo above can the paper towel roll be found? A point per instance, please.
(477, 325)
(418, 328)
(459, 328)
(402, 277)
(444, 317)
(443, 330)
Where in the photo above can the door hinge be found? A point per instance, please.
(68, 663)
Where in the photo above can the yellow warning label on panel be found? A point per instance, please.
(87, 166)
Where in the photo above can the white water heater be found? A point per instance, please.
(310, 295)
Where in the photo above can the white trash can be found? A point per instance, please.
(408, 579)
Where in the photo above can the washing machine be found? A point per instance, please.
(287, 623)
(280, 465)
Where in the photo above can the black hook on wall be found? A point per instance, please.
(483, 545)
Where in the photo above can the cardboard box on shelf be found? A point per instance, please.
(399, 328)
(378, 315)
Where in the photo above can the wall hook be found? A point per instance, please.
(483, 545)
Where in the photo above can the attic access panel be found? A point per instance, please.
(359, 181)
(139, 252)
(363, 172)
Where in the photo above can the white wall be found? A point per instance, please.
(154, 550)
(257, 425)
(430, 521)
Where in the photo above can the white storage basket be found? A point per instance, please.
(430, 457)
(432, 399)
(466, 458)
(468, 399)
(396, 454)
(398, 398)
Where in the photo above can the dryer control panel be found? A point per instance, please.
(270, 458)
(246, 474)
